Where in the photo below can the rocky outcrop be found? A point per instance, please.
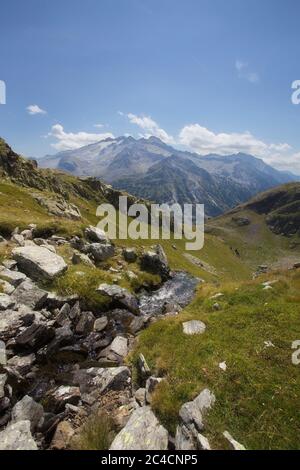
(142, 432)
(156, 262)
(120, 296)
(192, 424)
(17, 436)
(39, 263)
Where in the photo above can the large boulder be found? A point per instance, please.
(193, 327)
(6, 302)
(27, 293)
(95, 234)
(120, 296)
(39, 263)
(97, 380)
(17, 436)
(156, 262)
(13, 277)
(10, 323)
(35, 336)
(28, 409)
(101, 252)
(116, 351)
(142, 432)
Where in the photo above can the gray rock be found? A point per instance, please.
(6, 287)
(116, 351)
(66, 394)
(3, 358)
(97, 380)
(57, 301)
(6, 302)
(184, 439)
(156, 262)
(85, 324)
(140, 396)
(18, 239)
(35, 336)
(63, 317)
(143, 366)
(10, 323)
(13, 277)
(22, 364)
(39, 263)
(235, 445)
(100, 324)
(192, 416)
(17, 436)
(95, 234)
(30, 295)
(202, 442)
(142, 432)
(120, 296)
(101, 252)
(63, 337)
(27, 234)
(193, 327)
(3, 379)
(130, 255)
(241, 221)
(81, 258)
(28, 410)
(151, 385)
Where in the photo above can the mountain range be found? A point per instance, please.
(150, 169)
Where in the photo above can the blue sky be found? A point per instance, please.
(206, 75)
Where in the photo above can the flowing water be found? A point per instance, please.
(180, 290)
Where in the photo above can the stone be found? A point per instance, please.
(22, 364)
(120, 296)
(101, 252)
(6, 287)
(95, 234)
(100, 324)
(6, 302)
(62, 436)
(17, 436)
(296, 265)
(151, 384)
(203, 443)
(3, 379)
(233, 443)
(130, 255)
(184, 439)
(3, 358)
(66, 394)
(116, 351)
(241, 221)
(27, 234)
(216, 306)
(81, 258)
(35, 336)
(58, 206)
(13, 277)
(85, 324)
(10, 323)
(140, 396)
(223, 366)
(143, 366)
(18, 239)
(142, 432)
(63, 318)
(193, 327)
(27, 293)
(194, 411)
(75, 311)
(156, 262)
(97, 380)
(63, 337)
(39, 263)
(28, 410)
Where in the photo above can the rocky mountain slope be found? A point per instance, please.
(151, 169)
(99, 339)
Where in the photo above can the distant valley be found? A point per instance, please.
(150, 169)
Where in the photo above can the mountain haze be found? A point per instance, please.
(150, 169)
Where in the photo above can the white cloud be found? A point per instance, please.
(70, 140)
(245, 73)
(35, 109)
(201, 140)
(99, 126)
(150, 127)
